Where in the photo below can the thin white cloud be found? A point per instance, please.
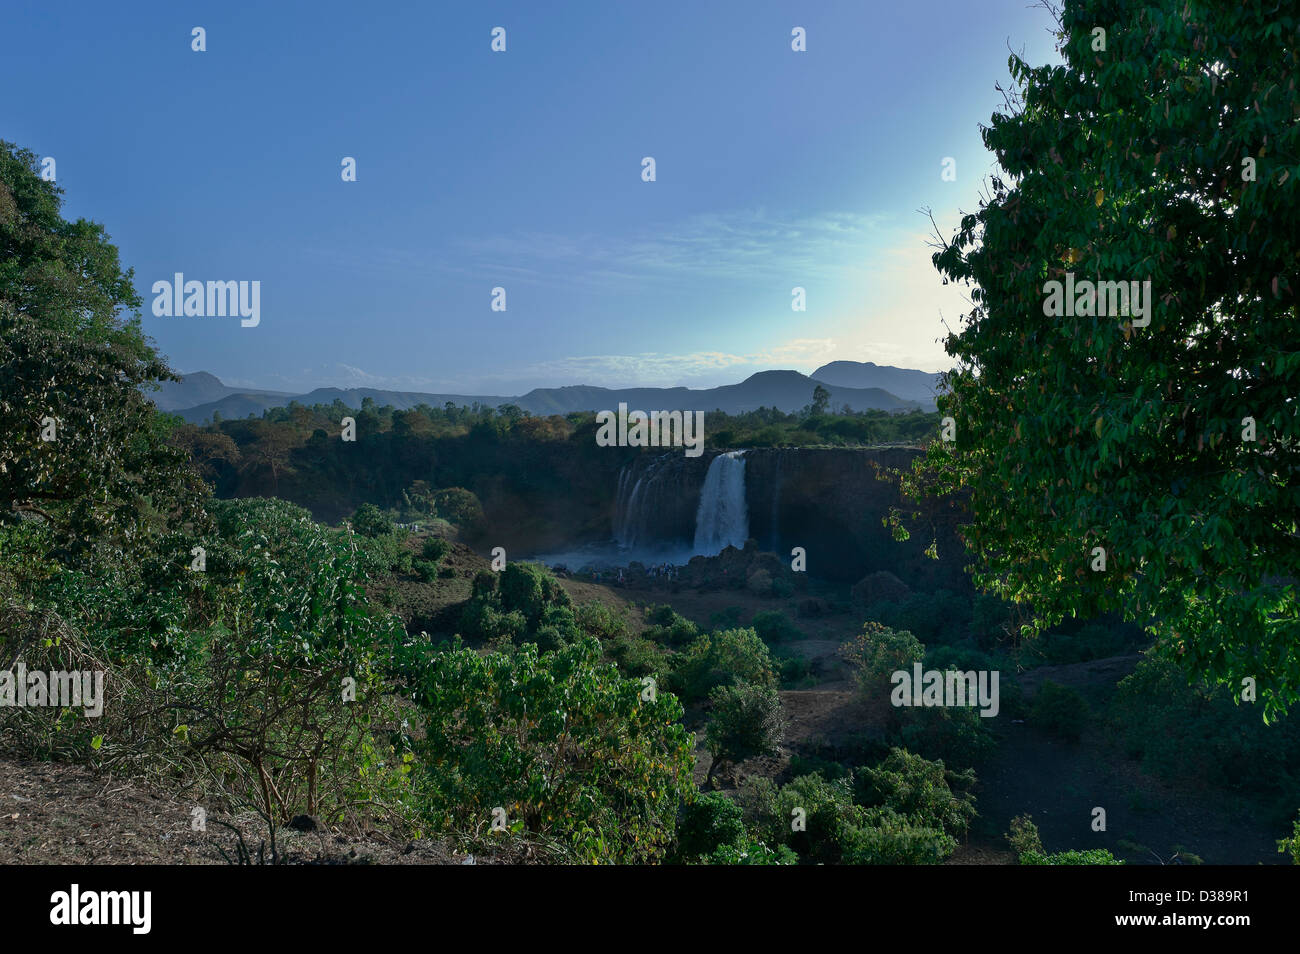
(741, 246)
(661, 369)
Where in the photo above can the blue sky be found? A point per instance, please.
(522, 169)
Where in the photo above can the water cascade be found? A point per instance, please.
(723, 516)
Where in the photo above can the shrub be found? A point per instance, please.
(434, 549)
(834, 829)
(990, 619)
(558, 626)
(773, 626)
(728, 618)
(759, 583)
(565, 745)
(530, 588)
(721, 659)
(1291, 845)
(678, 631)
(878, 652)
(706, 824)
(1093, 641)
(1024, 836)
(795, 671)
(958, 735)
(883, 837)
(745, 721)
(637, 657)
(370, 521)
(266, 687)
(599, 620)
(484, 620)
(750, 852)
(939, 617)
(461, 508)
(1095, 856)
(919, 790)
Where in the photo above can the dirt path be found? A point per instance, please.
(55, 813)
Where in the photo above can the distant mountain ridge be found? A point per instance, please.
(199, 395)
(198, 388)
(920, 386)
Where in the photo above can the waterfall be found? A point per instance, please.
(723, 517)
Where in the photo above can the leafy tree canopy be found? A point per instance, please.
(1166, 151)
(81, 446)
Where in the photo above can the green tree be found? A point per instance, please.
(1169, 156)
(370, 521)
(287, 676)
(709, 822)
(920, 790)
(745, 721)
(721, 659)
(81, 445)
(1291, 845)
(878, 652)
(821, 399)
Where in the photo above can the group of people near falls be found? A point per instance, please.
(667, 572)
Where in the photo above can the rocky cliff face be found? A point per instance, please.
(658, 496)
(830, 502)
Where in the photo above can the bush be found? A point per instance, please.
(728, 618)
(878, 652)
(265, 690)
(721, 659)
(706, 824)
(834, 829)
(883, 837)
(990, 619)
(1291, 845)
(484, 620)
(637, 657)
(759, 583)
(558, 626)
(750, 852)
(564, 744)
(1060, 711)
(939, 617)
(745, 721)
(773, 626)
(1093, 641)
(1095, 856)
(1023, 836)
(958, 735)
(434, 549)
(674, 630)
(919, 790)
(795, 671)
(461, 508)
(599, 620)
(529, 588)
(370, 521)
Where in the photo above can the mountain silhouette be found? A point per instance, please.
(199, 395)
